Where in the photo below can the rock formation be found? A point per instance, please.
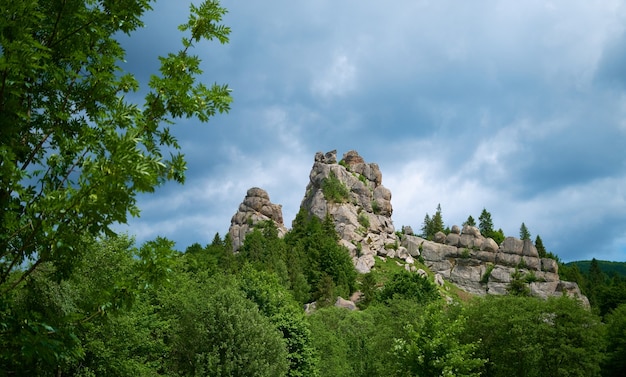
(362, 216)
(256, 207)
(478, 265)
(351, 193)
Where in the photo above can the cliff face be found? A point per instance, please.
(361, 208)
(351, 192)
(478, 265)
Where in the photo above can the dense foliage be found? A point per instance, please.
(74, 153)
(77, 300)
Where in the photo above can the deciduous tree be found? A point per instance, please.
(74, 151)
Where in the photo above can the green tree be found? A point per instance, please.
(470, 221)
(595, 281)
(216, 331)
(615, 363)
(485, 224)
(409, 286)
(433, 225)
(497, 236)
(527, 336)
(540, 248)
(314, 243)
(74, 152)
(277, 304)
(431, 346)
(524, 234)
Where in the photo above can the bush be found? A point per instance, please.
(485, 278)
(364, 220)
(334, 190)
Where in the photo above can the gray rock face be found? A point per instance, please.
(363, 221)
(256, 207)
(364, 217)
(478, 265)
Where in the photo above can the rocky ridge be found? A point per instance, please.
(362, 218)
(480, 266)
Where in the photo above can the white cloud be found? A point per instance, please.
(336, 80)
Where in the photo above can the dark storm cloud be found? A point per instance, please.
(517, 107)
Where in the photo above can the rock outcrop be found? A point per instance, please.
(480, 266)
(256, 207)
(362, 210)
(351, 192)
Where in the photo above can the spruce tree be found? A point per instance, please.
(540, 248)
(485, 224)
(470, 221)
(524, 234)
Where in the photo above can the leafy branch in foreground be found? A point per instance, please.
(74, 152)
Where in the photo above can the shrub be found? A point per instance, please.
(530, 277)
(465, 254)
(485, 278)
(375, 207)
(334, 190)
(364, 220)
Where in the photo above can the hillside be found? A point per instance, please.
(608, 267)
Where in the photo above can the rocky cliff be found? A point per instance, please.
(480, 266)
(256, 207)
(351, 192)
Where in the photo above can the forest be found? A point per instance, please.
(76, 299)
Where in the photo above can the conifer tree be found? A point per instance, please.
(470, 221)
(485, 224)
(540, 248)
(524, 234)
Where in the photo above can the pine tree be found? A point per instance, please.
(524, 234)
(485, 224)
(540, 248)
(470, 221)
(427, 226)
(438, 221)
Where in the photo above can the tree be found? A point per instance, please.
(433, 225)
(527, 336)
(524, 234)
(615, 363)
(540, 248)
(74, 152)
(470, 221)
(409, 286)
(485, 224)
(215, 331)
(431, 347)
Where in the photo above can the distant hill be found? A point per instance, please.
(609, 268)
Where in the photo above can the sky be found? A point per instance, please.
(515, 107)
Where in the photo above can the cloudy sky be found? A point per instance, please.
(516, 107)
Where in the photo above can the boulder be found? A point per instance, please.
(489, 245)
(472, 231)
(512, 245)
(549, 265)
(529, 250)
(412, 244)
(453, 239)
(346, 304)
(440, 237)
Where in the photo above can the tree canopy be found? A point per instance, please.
(74, 151)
